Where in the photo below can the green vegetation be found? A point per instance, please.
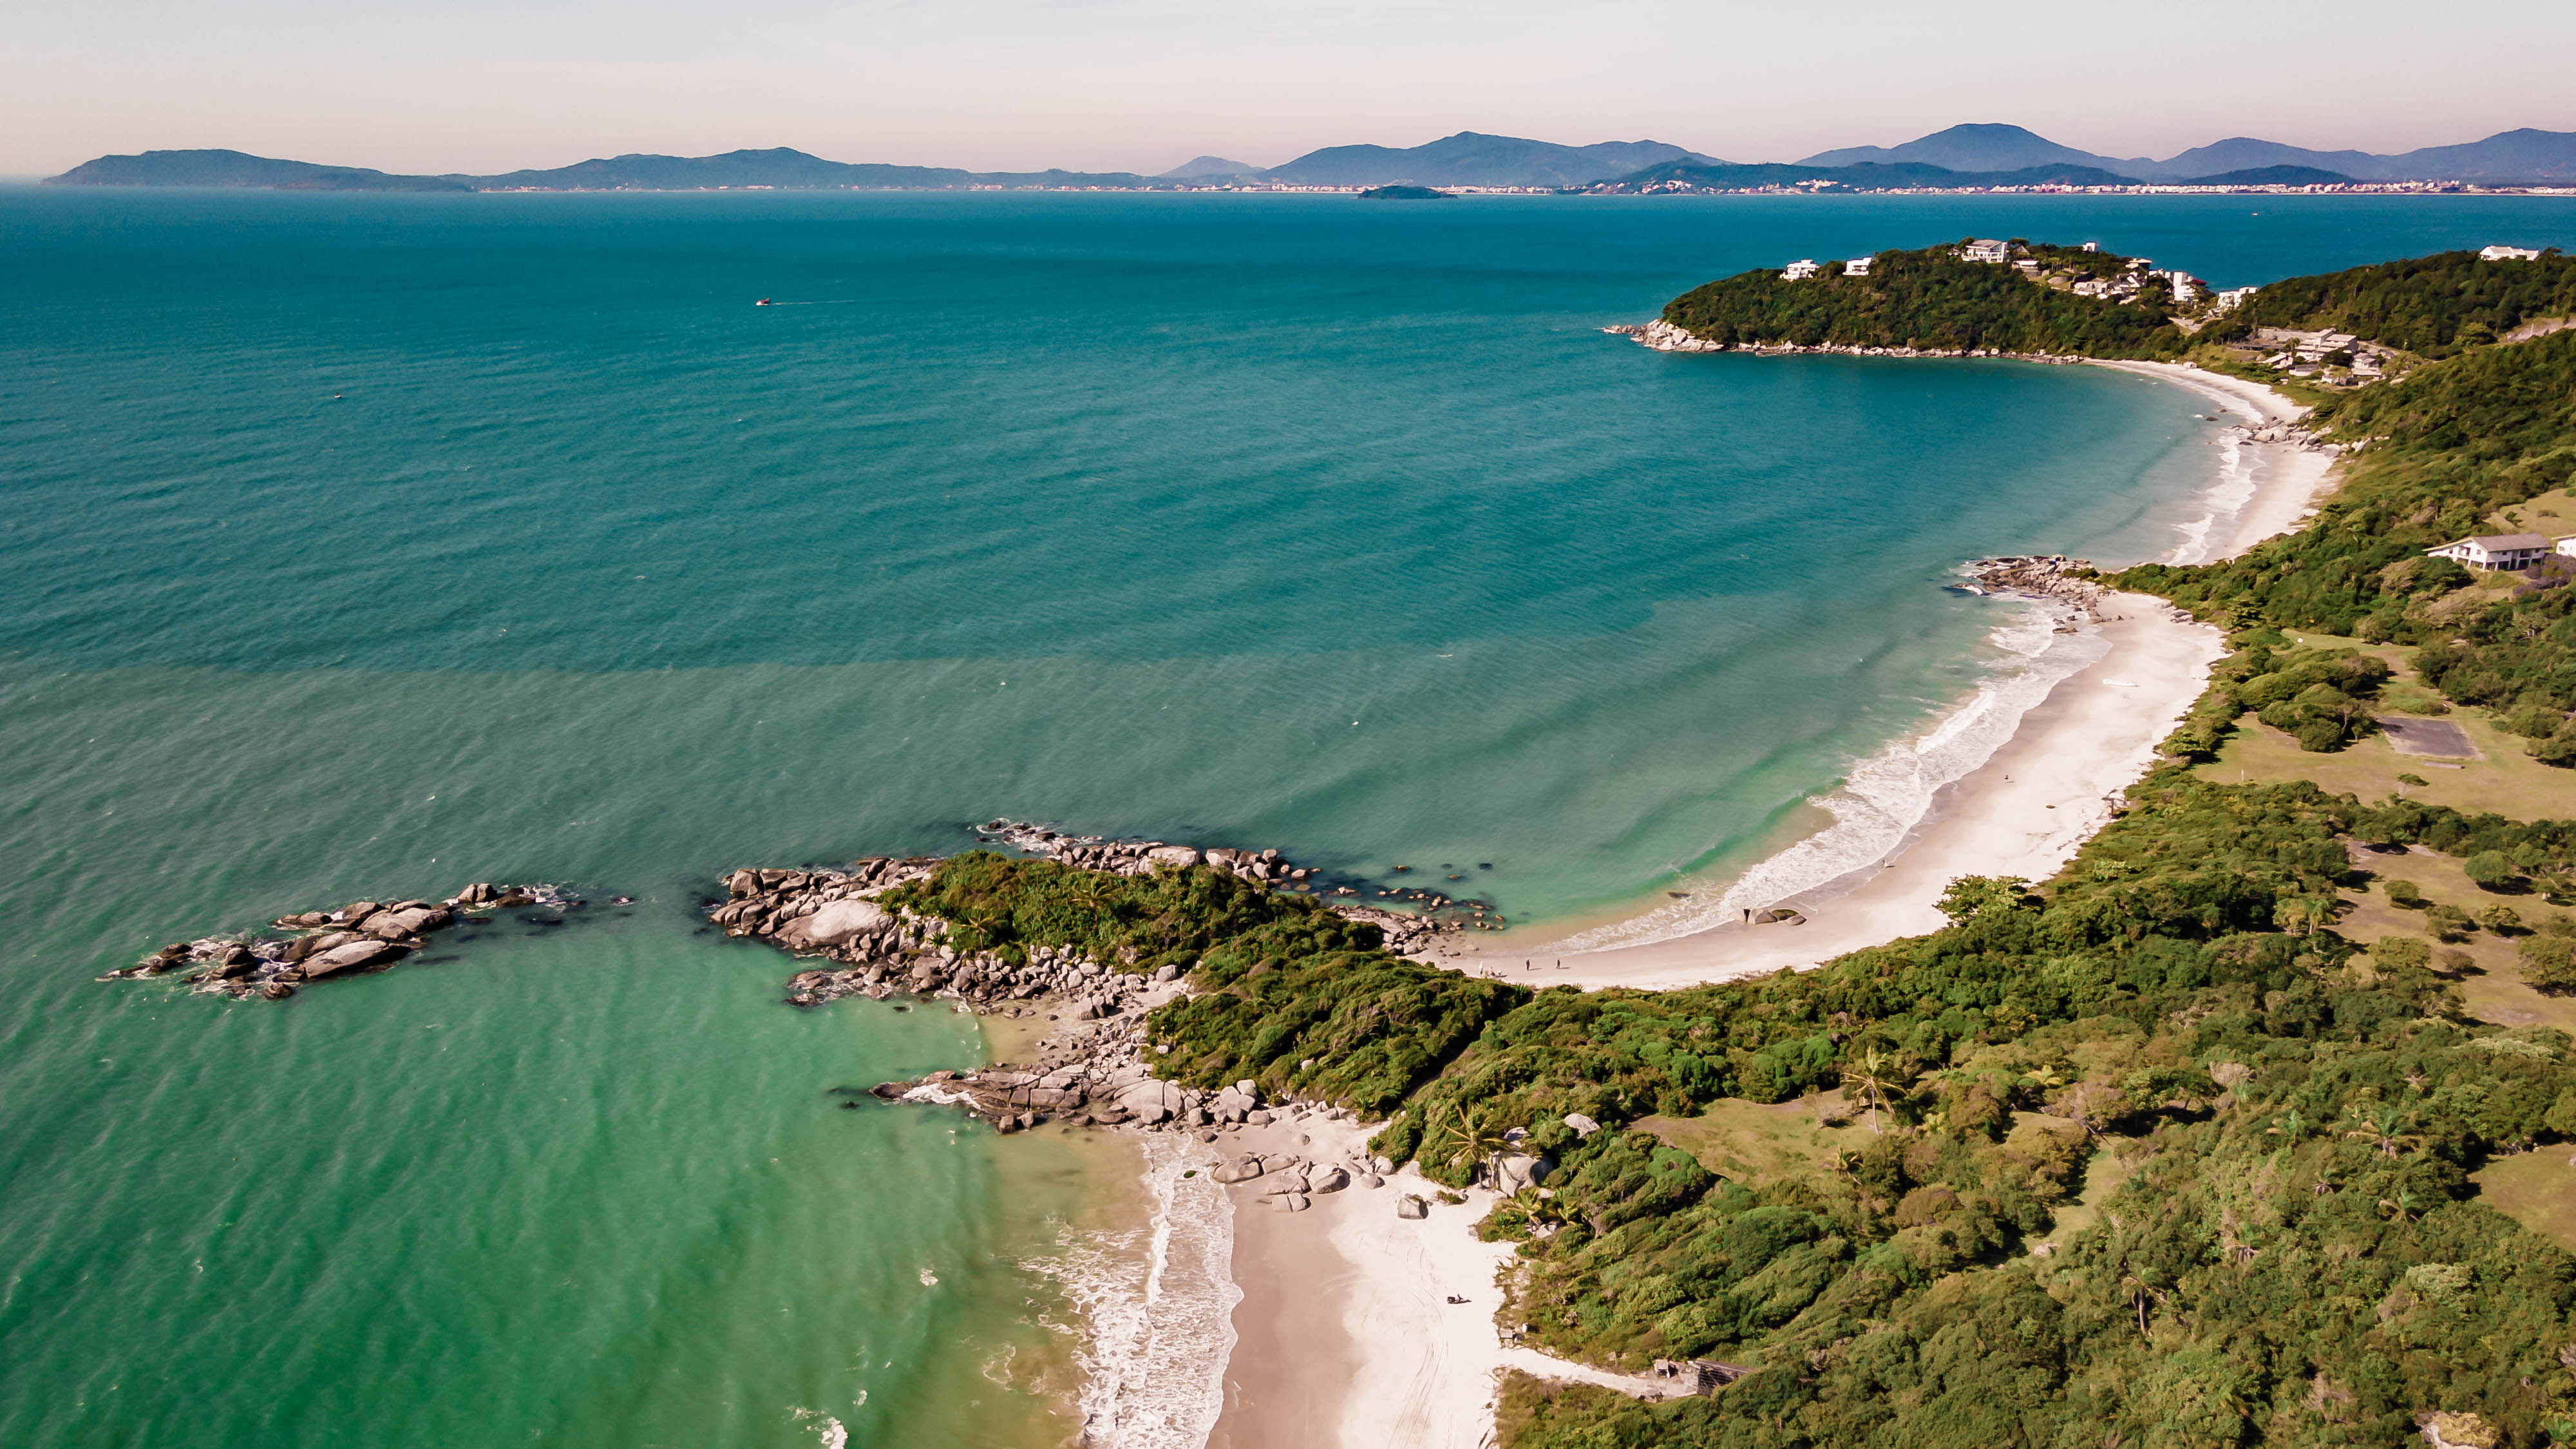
(1932, 300)
(2433, 306)
(1404, 193)
(2442, 449)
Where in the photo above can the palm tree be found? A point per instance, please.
(1465, 1136)
(1874, 1077)
(2380, 1130)
(2142, 1295)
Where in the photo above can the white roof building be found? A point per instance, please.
(1799, 271)
(1985, 249)
(1858, 266)
(2497, 550)
(2509, 254)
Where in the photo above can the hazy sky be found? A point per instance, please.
(488, 85)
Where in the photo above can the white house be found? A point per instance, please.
(1985, 250)
(2497, 550)
(2092, 246)
(2567, 546)
(1800, 270)
(2509, 254)
(2235, 297)
(1858, 266)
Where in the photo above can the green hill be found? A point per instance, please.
(1931, 299)
(2426, 305)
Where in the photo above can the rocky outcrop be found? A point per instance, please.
(1137, 857)
(1434, 914)
(1665, 336)
(2046, 578)
(358, 937)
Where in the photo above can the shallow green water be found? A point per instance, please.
(358, 546)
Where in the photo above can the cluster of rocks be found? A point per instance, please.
(2285, 434)
(361, 936)
(1139, 857)
(1406, 931)
(2049, 578)
(1290, 1182)
(1665, 336)
(835, 915)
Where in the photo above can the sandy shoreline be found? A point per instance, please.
(2029, 806)
(1344, 1335)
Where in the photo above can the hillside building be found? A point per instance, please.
(1857, 267)
(1799, 271)
(2509, 254)
(2497, 550)
(1986, 250)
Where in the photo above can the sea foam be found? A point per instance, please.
(1158, 1323)
(1886, 795)
(1883, 797)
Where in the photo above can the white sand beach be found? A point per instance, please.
(1346, 1335)
(2023, 812)
(2292, 480)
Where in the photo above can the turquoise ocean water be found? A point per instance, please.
(357, 546)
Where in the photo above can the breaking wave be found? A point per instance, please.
(1157, 1305)
(1886, 795)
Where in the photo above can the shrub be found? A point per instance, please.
(2548, 962)
(2490, 869)
(2405, 895)
(2501, 919)
(2401, 953)
(2448, 923)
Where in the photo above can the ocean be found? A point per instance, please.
(363, 546)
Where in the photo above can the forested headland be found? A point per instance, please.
(1934, 300)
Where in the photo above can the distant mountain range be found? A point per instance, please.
(777, 167)
(2524, 155)
(1961, 157)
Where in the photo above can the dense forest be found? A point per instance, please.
(1932, 300)
(2433, 306)
(2271, 1131)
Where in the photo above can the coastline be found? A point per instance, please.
(1338, 1327)
(1865, 879)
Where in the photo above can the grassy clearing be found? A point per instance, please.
(2552, 513)
(2492, 988)
(2507, 782)
(1764, 1145)
(2103, 1174)
(2535, 1189)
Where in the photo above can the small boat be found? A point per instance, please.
(764, 302)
